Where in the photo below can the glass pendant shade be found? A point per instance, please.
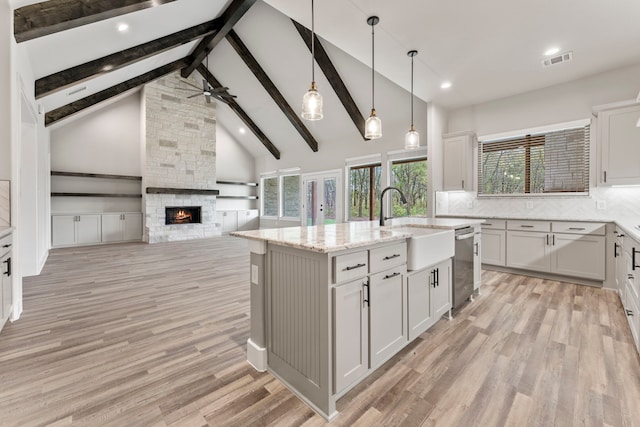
(312, 104)
(412, 140)
(373, 126)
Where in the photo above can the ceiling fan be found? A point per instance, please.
(219, 93)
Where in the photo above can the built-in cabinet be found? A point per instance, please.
(6, 294)
(91, 229)
(458, 161)
(566, 248)
(428, 297)
(238, 220)
(618, 138)
(494, 239)
(627, 256)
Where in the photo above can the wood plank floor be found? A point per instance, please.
(155, 335)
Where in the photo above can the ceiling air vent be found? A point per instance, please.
(558, 59)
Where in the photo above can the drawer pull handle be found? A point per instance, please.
(353, 267)
(390, 257)
(629, 313)
(389, 276)
(526, 226)
(487, 223)
(577, 228)
(8, 245)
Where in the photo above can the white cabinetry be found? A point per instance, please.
(576, 249)
(619, 141)
(631, 300)
(231, 220)
(5, 279)
(494, 250)
(119, 227)
(458, 161)
(70, 230)
(428, 297)
(228, 220)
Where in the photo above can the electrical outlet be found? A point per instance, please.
(529, 205)
(601, 204)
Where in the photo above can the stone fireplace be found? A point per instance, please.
(179, 162)
(182, 215)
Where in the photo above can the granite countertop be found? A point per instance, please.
(630, 228)
(337, 237)
(524, 217)
(4, 231)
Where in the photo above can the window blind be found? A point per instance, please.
(550, 162)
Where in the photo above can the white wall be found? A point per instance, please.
(557, 104)
(105, 141)
(5, 90)
(234, 163)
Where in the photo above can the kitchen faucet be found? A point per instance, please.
(404, 202)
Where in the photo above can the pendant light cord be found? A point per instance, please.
(412, 93)
(373, 66)
(313, 44)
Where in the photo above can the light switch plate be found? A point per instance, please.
(254, 274)
(529, 205)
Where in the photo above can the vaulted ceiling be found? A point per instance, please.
(487, 50)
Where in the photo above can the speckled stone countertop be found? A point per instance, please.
(5, 231)
(337, 237)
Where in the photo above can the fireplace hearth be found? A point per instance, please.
(183, 215)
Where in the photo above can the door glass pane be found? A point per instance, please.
(411, 178)
(329, 201)
(311, 202)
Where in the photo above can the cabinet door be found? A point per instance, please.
(419, 302)
(5, 287)
(111, 227)
(441, 290)
(248, 220)
(229, 221)
(578, 255)
(350, 326)
(494, 247)
(387, 308)
(477, 261)
(528, 250)
(455, 163)
(88, 229)
(63, 230)
(620, 149)
(132, 224)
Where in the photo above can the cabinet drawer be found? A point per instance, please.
(544, 226)
(595, 228)
(387, 256)
(5, 244)
(350, 266)
(495, 224)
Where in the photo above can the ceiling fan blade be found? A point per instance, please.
(194, 95)
(220, 89)
(189, 83)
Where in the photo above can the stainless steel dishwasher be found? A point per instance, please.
(463, 266)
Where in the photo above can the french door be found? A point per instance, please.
(322, 203)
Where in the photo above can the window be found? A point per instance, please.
(364, 192)
(270, 196)
(551, 162)
(291, 196)
(410, 176)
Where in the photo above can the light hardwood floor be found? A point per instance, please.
(135, 334)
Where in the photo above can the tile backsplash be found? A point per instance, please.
(5, 203)
(603, 203)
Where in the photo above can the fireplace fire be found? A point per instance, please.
(182, 215)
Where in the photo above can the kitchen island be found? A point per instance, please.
(332, 303)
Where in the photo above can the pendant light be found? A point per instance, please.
(412, 138)
(373, 125)
(312, 100)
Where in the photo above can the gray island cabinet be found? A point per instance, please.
(330, 304)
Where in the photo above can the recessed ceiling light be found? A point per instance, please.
(445, 85)
(123, 27)
(242, 130)
(552, 51)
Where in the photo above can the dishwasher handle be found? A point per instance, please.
(464, 236)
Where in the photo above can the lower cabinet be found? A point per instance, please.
(6, 291)
(68, 230)
(238, 220)
(631, 293)
(88, 229)
(428, 297)
(121, 227)
(494, 250)
(369, 324)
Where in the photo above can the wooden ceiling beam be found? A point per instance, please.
(65, 78)
(233, 104)
(48, 17)
(229, 18)
(91, 100)
(332, 75)
(272, 90)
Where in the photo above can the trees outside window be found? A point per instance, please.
(364, 192)
(410, 176)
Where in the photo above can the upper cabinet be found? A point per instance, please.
(619, 143)
(457, 161)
